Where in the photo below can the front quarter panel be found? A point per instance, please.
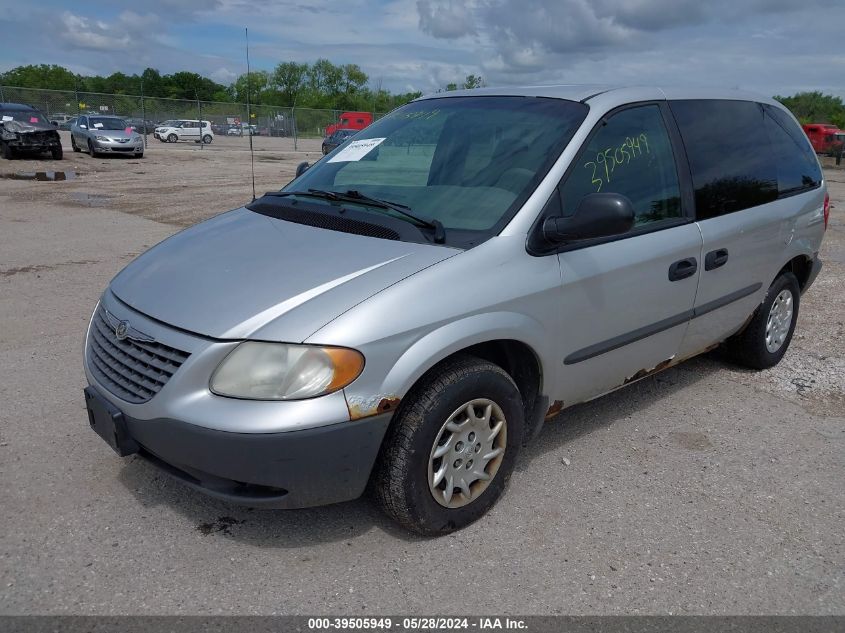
(494, 291)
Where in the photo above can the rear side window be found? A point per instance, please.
(729, 153)
(797, 167)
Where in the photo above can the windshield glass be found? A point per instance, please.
(24, 116)
(469, 162)
(108, 123)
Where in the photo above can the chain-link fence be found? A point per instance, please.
(146, 113)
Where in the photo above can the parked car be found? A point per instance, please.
(184, 130)
(97, 134)
(23, 129)
(337, 138)
(141, 126)
(408, 311)
(62, 120)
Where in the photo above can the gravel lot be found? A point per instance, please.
(706, 489)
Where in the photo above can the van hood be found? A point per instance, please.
(246, 275)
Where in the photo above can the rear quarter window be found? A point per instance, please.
(730, 155)
(797, 167)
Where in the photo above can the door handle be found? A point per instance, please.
(682, 269)
(716, 258)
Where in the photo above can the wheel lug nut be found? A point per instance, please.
(458, 463)
(459, 446)
(478, 447)
(471, 437)
(469, 464)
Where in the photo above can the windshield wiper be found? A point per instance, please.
(352, 195)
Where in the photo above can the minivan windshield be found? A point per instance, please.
(466, 162)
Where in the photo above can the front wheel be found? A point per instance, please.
(91, 149)
(73, 144)
(172, 138)
(766, 338)
(449, 453)
(56, 153)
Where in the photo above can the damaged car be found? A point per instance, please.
(23, 129)
(404, 315)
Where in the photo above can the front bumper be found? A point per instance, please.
(295, 469)
(132, 147)
(28, 143)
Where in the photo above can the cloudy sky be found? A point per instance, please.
(771, 46)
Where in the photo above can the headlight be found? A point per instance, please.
(102, 138)
(278, 371)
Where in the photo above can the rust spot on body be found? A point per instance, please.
(367, 407)
(556, 407)
(647, 372)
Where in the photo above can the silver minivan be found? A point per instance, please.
(405, 314)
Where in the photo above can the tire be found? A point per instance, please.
(73, 144)
(407, 466)
(766, 338)
(324, 150)
(141, 155)
(91, 149)
(172, 138)
(7, 152)
(207, 139)
(57, 153)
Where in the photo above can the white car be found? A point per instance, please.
(184, 130)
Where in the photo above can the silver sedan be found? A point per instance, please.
(105, 135)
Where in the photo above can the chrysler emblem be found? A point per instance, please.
(121, 329)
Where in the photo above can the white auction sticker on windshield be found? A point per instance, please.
(7, 118)
(356, 150)
(98, 125)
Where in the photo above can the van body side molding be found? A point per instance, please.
(616, 342)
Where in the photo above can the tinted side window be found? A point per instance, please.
(729, 155)
(797, 167)
(630, 154)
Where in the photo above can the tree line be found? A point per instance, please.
(320, 84)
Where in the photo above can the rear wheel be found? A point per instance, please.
(766, 338)
(207, 139)
(449, 453)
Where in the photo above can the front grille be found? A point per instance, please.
(132, 370)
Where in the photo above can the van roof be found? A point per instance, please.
(585, 92)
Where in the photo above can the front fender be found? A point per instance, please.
(389, 377)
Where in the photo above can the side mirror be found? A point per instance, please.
(597, 215)
(55, 123)
(84, 127)
(302, 168)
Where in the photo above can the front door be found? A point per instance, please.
(626, 301)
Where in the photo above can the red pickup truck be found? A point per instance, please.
(825, 137)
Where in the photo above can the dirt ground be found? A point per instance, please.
(705, 489)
